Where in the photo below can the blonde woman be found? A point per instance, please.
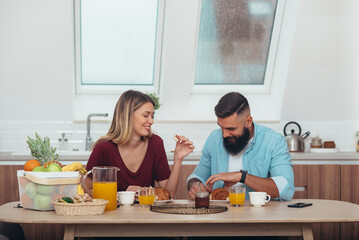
(131, 146)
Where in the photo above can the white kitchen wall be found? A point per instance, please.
(36, 60)
(37, 76)
(14, 133)
(323, 79)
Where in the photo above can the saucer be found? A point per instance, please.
(126, 205)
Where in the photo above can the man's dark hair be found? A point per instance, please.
(232, 102)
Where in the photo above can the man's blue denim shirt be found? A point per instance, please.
(266, 156)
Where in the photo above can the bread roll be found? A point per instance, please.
(219, 194)
(162, 194)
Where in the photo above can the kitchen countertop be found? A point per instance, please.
(10, 158)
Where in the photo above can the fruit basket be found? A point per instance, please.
(95, 207)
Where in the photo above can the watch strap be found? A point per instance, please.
(244, 175)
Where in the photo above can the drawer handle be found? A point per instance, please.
(300, 189)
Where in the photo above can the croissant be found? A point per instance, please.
(219, 194)
(162, 194)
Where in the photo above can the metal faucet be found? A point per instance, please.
(89, 141)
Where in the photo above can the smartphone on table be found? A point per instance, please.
(300, 205)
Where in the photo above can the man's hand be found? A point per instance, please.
(197, 186)
(229, 178)
(256, 183)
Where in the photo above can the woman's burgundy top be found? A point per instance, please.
(153, 168)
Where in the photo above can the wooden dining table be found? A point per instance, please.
(273, 219)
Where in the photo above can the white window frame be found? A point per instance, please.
(187, 102)
(116, 89)
(245, 88)
(181, 101)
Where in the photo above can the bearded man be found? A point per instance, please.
(243, 153)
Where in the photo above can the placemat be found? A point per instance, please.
(187, 209)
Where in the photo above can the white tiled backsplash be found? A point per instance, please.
(13, 134)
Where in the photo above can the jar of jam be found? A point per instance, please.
(201, 200)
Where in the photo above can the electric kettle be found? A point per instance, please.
(295, 141)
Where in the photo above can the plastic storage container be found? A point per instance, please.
(37, 190)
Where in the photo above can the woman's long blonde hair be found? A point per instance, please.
(122, 123)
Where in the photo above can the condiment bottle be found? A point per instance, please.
(357, 141)
(316, 142)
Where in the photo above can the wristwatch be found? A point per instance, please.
(244, 175)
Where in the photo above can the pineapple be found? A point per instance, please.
(42, 151)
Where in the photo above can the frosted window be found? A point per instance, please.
(234, 39)
(118, 42)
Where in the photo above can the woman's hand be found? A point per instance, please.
(183, 147)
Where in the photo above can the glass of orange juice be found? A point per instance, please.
(146, 196)
(237, 195)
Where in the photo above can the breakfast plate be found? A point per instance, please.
(323, 150)
(219, 201)
(163, 201)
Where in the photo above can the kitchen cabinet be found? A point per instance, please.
(349, 191)
(9, 190)
(334, 182)
(301, 181)
(324, 183)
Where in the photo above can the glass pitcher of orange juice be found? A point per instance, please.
(104, 184)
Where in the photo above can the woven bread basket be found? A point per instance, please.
(96, 207)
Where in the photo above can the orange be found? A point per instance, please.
(31, 164)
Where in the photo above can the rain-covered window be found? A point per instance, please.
(234, 41)
(118, 42)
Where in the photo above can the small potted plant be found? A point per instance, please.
(156, 99)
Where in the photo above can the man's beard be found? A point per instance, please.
(237, 143)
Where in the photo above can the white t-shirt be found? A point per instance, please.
(235, 163)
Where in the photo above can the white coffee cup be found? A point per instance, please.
(126, 198)
(258, 199)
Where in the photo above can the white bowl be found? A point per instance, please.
(126, 198)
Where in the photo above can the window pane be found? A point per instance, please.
(234, 39)
(118, 41)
